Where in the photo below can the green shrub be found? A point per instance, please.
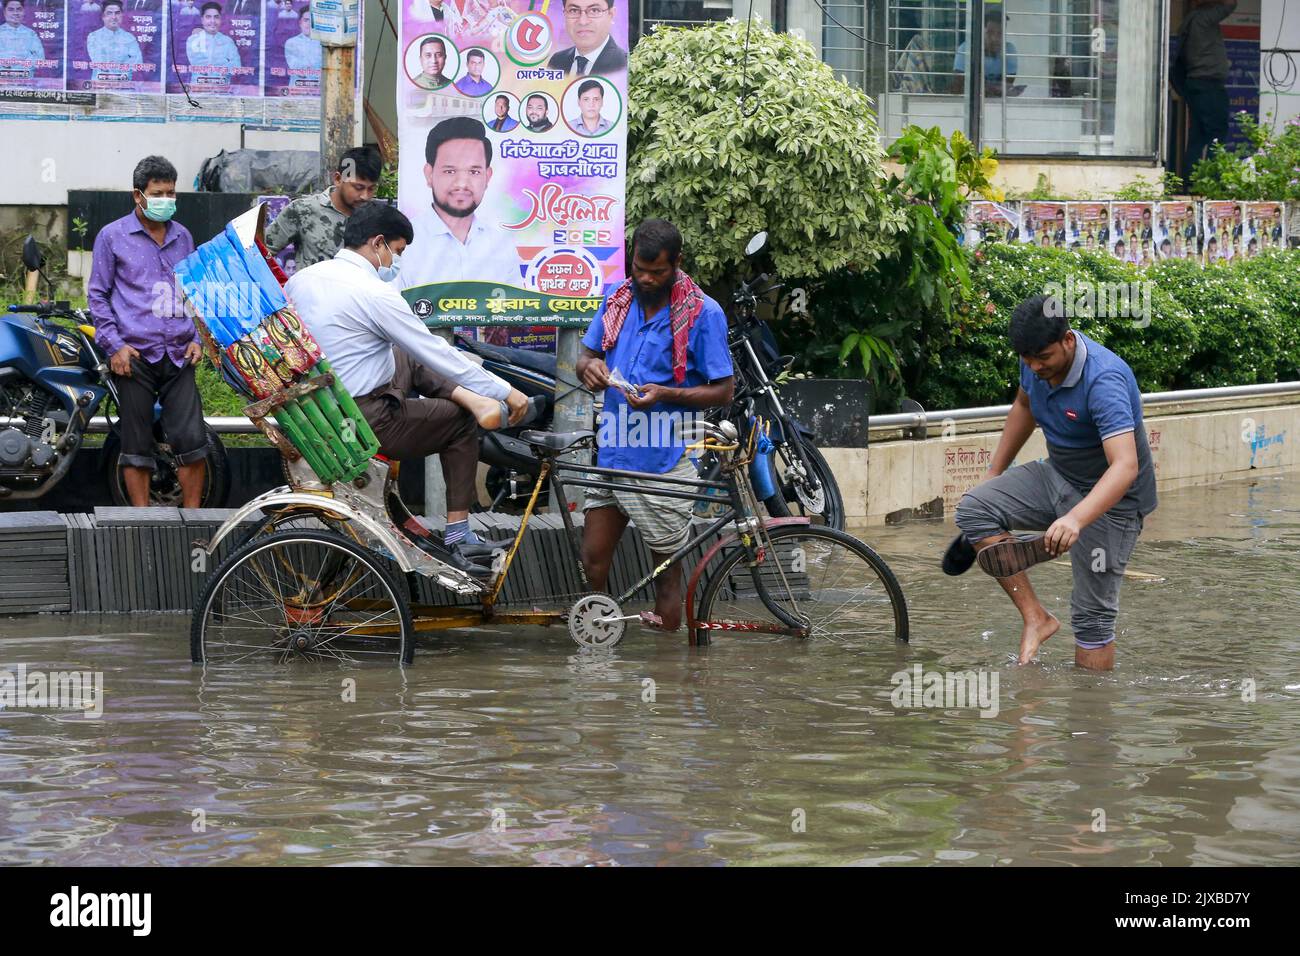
(1277, 274)
(1263, 167)
(807, 166)
(1237, 333)
(875, 322)
(1156, 346)
(974, 364)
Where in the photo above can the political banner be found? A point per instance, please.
(991, 222)
(1222, 228)
(217, 48)
(288, 256)
(1088, 226)
(1265, 226)
(1043, 224)
(1132, 232)
(31, 45)
(1178, 230)
(115, 46)
(513, 124)
(293, 58)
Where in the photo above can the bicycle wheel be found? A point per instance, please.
(303, 518)
(310, 594)
(829, 581)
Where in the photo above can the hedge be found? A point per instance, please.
(1233, 323)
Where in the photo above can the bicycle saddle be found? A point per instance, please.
(554, 441)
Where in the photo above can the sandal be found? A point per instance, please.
(959, 556)
(1006, 558)
(653, 621)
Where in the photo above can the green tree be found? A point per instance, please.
(725, 144)
(884, 320)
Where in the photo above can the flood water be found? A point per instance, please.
(513, 747)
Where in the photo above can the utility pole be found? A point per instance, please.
(334, 24)
(573, 405)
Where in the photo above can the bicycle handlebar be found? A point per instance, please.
(724, 430)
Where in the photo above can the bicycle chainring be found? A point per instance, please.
(595, 621)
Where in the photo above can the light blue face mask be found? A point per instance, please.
(159, 208)
(389, 272)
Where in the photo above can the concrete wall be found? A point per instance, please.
(52, 157)
(1097, 179)
(906, 479)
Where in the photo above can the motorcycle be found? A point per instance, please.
(512, 466)
(794, 473)
(53, 380)
(800, 479)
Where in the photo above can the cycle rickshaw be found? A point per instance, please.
(328, 572)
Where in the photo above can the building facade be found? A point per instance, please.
(1074, 90)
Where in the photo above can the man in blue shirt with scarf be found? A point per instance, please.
(659, 333)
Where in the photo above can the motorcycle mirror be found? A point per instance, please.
(756, 245)
(32, 257)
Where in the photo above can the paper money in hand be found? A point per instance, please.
(618, 381)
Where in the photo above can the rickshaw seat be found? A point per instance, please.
(554, 441)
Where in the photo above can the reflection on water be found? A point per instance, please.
(511, 747)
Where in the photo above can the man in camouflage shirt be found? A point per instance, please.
(314, 224)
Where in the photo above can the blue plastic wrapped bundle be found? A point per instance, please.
(237, 298)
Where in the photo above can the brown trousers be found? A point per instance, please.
(410, 427)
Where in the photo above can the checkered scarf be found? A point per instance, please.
(687, 300)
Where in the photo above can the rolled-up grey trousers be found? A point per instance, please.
(1030, 497)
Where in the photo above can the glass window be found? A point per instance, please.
(844, 25)
(684, 13)
(1053, 70)
(923, 83)
(1051, 76)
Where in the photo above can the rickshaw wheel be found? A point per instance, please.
(302, 594)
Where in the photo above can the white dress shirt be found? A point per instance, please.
(356, 318)
(435, 255)
(591, 58)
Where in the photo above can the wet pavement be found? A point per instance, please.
(514, 747)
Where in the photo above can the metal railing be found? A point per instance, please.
(918, 419)
(242, 426)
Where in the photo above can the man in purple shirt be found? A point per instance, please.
(152, 345)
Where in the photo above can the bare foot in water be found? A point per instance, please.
(1035, 636)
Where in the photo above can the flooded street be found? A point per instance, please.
(514, 748)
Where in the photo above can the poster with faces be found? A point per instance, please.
(1178, 229)
(1221, 227)
(1132, 232)
(1043, 224)
(513, 121)
(991, 222)
(1265, 227)
(1088, 226)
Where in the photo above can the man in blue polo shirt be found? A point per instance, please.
(664, 342)
(1090, 495)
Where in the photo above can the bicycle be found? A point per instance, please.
(325, 592)
(316, 576)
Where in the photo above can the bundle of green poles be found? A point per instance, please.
(265, 352)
